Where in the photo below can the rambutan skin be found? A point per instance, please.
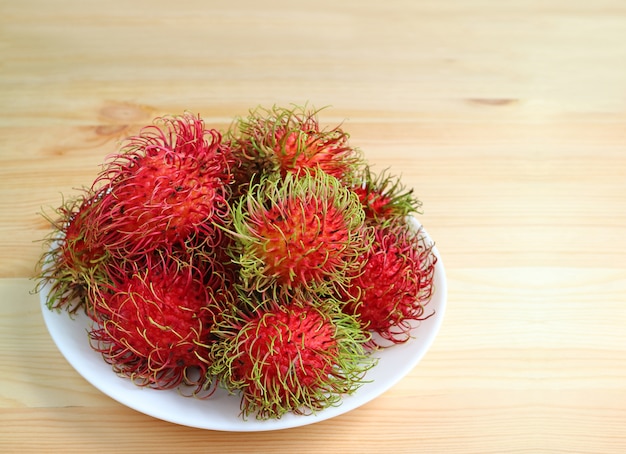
(153, 320)
(395, 284)
(289, 357)
(305, 233)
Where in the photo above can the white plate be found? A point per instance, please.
(221, 411)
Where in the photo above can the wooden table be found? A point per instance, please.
(507, 118)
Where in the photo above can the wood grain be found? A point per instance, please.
(506, 118)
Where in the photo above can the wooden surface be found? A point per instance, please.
(508, 119)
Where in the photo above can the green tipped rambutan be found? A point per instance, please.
(154, 319)
(384, 197)
(76, 256)
(289, 357)
(169, 185)
(281, 140)
(395, 283)
(302, 233)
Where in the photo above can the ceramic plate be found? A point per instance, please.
(221, 411)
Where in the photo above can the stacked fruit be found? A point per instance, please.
(269, 260)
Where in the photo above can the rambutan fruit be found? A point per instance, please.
(303, 233)
(76, 256)
(169, 185)
(289, 357)
(153, 320)
(384, 197)
(395, 283)
(269, 261)
(281, 140)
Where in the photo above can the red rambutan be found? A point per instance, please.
(169, 185)
(395, 283)
(293, 357)
(302, 232)
(384, 197)
(154, 320)
(281, 140)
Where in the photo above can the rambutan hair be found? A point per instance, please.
(281, 140)
(395, 283)
(304, 233)
(289, 357)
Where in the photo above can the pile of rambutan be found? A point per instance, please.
(269, 260)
